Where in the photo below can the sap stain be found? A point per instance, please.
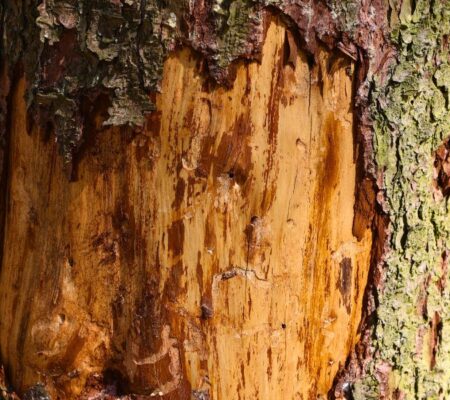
(345, 283)
(176, 237)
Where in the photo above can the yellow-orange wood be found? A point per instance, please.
(209, 252)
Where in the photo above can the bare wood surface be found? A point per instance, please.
(211, 252)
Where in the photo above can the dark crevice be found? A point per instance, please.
(5, 167)
(5, 177)
(436, 326)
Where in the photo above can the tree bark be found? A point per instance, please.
(224, 200)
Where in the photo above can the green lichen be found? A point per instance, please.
(412, 118)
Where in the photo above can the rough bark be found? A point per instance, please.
(409, 339)
(134, 259)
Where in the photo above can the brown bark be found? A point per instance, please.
(214, 253)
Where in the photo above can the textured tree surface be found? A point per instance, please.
(209, 253)
(225, 199)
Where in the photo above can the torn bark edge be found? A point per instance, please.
(356, 365)
(370, 211)
(316, 24)
(368, 196)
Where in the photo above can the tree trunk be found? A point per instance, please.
(224, 201)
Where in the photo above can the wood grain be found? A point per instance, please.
(210, 252)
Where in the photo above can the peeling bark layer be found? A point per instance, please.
(73, 50)
(214, 253)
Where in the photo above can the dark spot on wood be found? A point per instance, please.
(173, 286)
(199, 271)
(207, 311)
(436, 326)
(176, 238)
(179, 193)
(331, 163)
(283, 325)
(345, 283)
(109, 384)
(233, 152)
(290, 51)
(269, 358)
(364, 209)
(239, 174)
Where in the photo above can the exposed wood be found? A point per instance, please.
(210, 252)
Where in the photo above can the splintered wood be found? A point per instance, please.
(208, 255)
